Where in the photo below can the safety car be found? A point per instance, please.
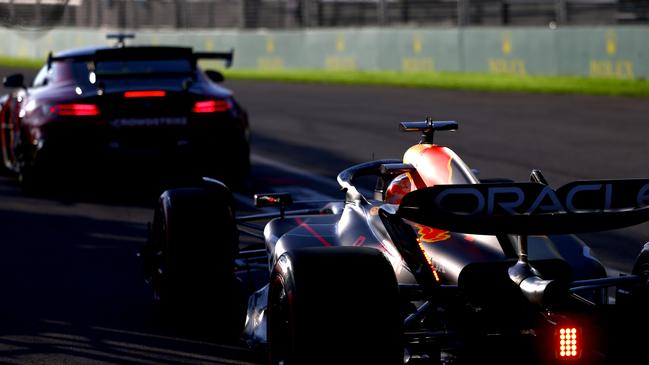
(126, 110)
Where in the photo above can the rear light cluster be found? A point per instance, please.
(212, 106)
(201, 107)
(145, 94)
(76, 110)
(85, 110)
(569, 346)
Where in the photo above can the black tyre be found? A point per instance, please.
(641, 265)
(624, 328)
(190, 259)
(334, 306)
(640, 294)
(32, 178)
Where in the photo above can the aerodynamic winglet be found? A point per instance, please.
(428, 127)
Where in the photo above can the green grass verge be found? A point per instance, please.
(448, 81)
(456, 81)
(21, 62)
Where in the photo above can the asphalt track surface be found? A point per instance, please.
(72, 290)
(322, 129)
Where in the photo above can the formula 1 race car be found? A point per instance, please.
(434, 267)
(142, 109)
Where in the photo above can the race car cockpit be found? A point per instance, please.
(435, 165)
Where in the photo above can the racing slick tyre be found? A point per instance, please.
(624, 337)
(334, 306)
(641, 268)
(31, 178)
(28, 180)
(190, 259)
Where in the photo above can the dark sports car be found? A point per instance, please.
(432, 267)
(142, 109)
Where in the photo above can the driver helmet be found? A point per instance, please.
(398, 187)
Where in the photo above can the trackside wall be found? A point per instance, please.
(615, 52)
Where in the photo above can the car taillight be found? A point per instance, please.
(568, 343)
(145, 94)
(78, 110)
(211, 106)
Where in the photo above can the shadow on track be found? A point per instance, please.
(73, 289)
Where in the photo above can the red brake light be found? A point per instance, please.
(145, 94)
(211, 106)
(77, 110)
(568, 343)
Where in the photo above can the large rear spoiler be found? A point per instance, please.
(226, 56)
(530, 208)
(144, 52)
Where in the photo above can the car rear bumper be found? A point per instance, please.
(217, 151)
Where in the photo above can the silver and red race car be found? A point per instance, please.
(432, 267)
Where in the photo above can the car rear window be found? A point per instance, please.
(143, 67)
(62, 72)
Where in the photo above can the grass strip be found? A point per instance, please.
(21, 62)
(432, 80)
(456, 81)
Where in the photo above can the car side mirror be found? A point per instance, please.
(215, 76)
(14, 81)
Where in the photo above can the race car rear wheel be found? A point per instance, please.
(641, 265)
(626, 323)
(190, 259)
(31, 176)
(334, 306)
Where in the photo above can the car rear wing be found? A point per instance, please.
(530, 208)
(225, 56)
(143, 53)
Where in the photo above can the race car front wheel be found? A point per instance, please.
(334, 306)
(190, 259)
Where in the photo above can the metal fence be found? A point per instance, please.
(289, 14)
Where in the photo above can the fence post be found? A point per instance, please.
(121, 15)
(100, 8)
(463, 7)
(38, 14)
(178, 12)
(405, 11)
(211, 15)
(12, 12)
(504, 13)
(242, 14)
(251, 13)
(381, 12)
(306, 13)
(561, 11)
